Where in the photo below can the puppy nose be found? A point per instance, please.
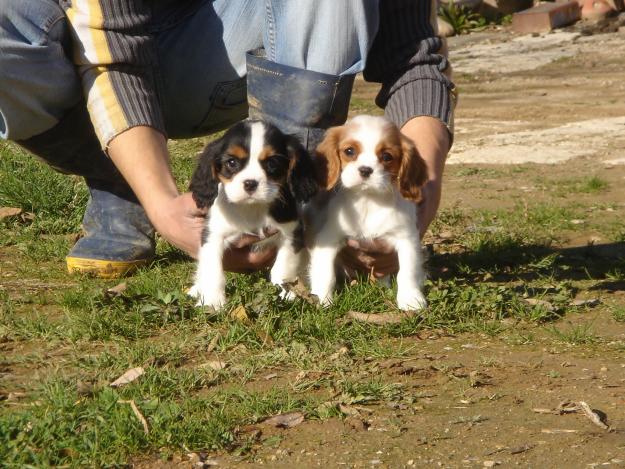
(365, 171)
(250, 185)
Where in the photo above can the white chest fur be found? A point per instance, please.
(363, 215)
(372, 215)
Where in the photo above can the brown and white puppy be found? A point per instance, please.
(374, 175)
(253, 178)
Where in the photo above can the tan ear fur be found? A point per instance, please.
(412, 171)
(327, 160)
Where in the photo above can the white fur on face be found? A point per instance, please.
(368, 131)
(267, 189)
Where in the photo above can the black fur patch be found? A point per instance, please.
(284, 208)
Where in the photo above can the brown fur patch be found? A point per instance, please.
(327, 160)
(266, 152)
(238, 152)
(344, 145)
(412, 171)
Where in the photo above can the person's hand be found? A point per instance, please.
(376, 257)
(180, 222)
(242, 257)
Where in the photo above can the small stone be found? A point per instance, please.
(491, 463)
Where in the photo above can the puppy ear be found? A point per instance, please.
(412, 171)
(301, 177)
(327, 159)
(204, 183)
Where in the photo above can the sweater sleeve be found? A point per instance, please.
(113, 52)
(407, 58)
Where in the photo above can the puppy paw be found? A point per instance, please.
(325, 298)
(213, 299)
(411, 300)
(287, 295)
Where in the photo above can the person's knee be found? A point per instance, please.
(33, 22)
(38, 82)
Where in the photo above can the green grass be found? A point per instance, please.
(618, 314)
(583, 185)
(65, 339)
(57, 201)
(578, 334)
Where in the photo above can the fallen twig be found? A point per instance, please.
(568, 407)
(138, 414)
(382, 318)
(593, 415)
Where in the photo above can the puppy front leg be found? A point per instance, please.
(288, 258)
(410, 275)
(210, 280)
(322, 276)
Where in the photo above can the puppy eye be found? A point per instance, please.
(231, 163)
(350, 151)
(271, 164)
(386, 157)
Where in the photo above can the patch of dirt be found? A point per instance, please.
(477, 403)
(545, 99)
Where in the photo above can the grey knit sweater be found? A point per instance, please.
(114, 53)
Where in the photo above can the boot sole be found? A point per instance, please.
(103, 268)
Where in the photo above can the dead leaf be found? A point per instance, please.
(213, 343)
(287, 420)
(299, 289)
(28, 216)
(356, 423)
(544, 411)
(138, 414)
(594, 416)
(265, 337)
(372, 279)
(128, 377)
(7, 212)
(14, 396)
(349, 410)
(215, 365)
(567, 407)
(477, 379)
(117, 290)
(270, 376)
(521, 449)
(340, 352)
(590, 303)
(240, 314)
(558, 430)
(381, 318)
(544, 304)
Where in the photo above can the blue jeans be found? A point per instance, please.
(200, 77)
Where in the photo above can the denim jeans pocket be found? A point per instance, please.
(228, 104)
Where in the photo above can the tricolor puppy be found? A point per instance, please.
(252, 178)
(374, 175)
